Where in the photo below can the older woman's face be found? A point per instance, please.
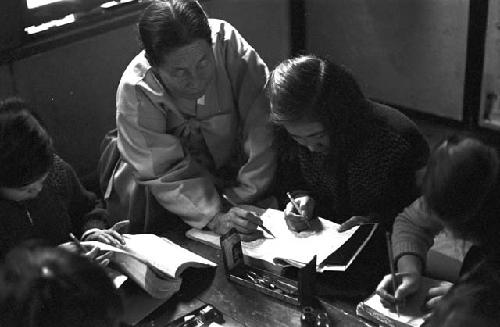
(187, 71)
(312, 135)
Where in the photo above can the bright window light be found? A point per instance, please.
(38, 3)
(54, 23)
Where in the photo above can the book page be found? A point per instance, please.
(164, 254)
(411, 312)
(295, 248)
(414, 319)
(158, 252)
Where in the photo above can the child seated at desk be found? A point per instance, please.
(461, 192)
(342, 156)
(51, 287)
(353, 160)
(41, 196)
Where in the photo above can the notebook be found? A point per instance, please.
(154, 263)
(333, 250)
(411, 313)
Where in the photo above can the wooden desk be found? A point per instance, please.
(239, 305)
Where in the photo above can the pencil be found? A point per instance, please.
(296, 206)
(261, 225)
(77, 242)
(391, 264)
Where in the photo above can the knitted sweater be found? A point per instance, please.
(414, 230)
(377, 177)
(63, 206)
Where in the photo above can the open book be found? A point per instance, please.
(333, 250)
(411, 313)
(155, 263)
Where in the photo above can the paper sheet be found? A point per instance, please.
(299, 248)
(411, 312)
(375, 303)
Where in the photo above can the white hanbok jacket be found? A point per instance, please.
(175, 159)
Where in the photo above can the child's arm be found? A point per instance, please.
(414, 230)
(88, 218)
(85, 210)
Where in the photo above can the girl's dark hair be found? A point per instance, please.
(461, 187)
(309, 88)
(167, 25)
(26, 152)
(52, 287)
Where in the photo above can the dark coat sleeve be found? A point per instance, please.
(83, 206)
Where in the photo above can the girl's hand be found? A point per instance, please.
(353, 222)
(298, 218)
(108, 236)
(407, 284)
(436, 293)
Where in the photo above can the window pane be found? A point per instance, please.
(45, 14)
(38, 3)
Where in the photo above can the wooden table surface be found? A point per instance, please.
(239, 305)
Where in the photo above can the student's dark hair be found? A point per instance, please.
(51, 287)
(166, 25)
(468, 304)
(26, 151)
(313, 89)
(461, 187)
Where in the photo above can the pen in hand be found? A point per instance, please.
(391, 264)
(261, 225)
(77, 243)
(296, 206)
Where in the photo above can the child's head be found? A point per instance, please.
(459, 187)
(52, 287)
(468, 304)
(26, 152)
(318, 102)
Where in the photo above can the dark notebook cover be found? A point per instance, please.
(341, 259)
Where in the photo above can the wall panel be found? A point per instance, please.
(265, 24)
(75, 87)
(411, 53)
(6, 82)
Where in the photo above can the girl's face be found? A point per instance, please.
(187, 71)
(25, 192)
(311, 135)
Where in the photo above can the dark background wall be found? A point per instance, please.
(74, 86)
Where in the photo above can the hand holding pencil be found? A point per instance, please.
(397, 286)
(298, 212)
(244, 221)
(90, 252)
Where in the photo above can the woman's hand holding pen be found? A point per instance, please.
(244, 221)
(298, 214)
